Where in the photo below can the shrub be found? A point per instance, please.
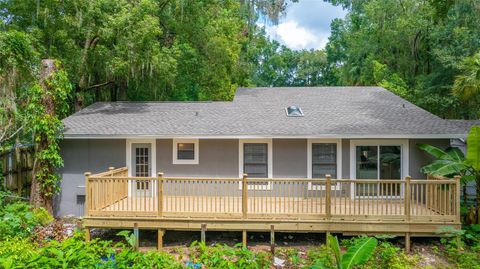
(18, 220)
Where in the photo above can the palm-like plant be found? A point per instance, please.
(357, 254)
(452, 162)
(467, 85)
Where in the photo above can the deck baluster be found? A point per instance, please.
(328, 189)
(160, 194)
(407, 197)
(244, 196)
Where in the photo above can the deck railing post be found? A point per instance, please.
(87, 194)
(457, 197)
(328, 190)
(160, 194)
(244, 196)
(408, 197)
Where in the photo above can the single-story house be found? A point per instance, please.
(268, 135)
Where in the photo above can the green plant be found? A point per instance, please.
(18, 220)
(356, 254)
(129, 237)
(221, 256)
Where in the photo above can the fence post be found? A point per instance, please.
(408, 197)
(160, 194)
(87, 193)
(244, 196)
(457, 197)
(328, 190)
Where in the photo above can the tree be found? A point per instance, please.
(18, 64)
(467, 84)
(46, 109)
(417, 44)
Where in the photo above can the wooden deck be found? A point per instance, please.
(402, 207)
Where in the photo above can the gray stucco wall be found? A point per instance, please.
(217, 158)
(419, 158)
(290, 158)
(82, 156)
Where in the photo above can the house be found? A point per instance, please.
(263, 160)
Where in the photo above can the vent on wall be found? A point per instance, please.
(294, 111)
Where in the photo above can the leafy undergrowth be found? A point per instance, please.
(32, 239)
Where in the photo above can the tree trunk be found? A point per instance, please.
(38, 197)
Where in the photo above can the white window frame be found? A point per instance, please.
(153, 146)
(269, 143)
(404, 158)
(310, 142)
(196, 152)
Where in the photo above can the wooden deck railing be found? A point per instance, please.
(113, 193)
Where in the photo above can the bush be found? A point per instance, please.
(18, 220)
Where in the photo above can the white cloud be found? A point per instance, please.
(297, 37)
(306, 24)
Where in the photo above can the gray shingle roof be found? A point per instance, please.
(466, 124)
(346, 112)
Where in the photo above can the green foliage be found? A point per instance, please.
(455, 249)
(467, 84)
(129, 237)
(18, 220)
(47, 127)
(473, 148)
(417, 49)
(387, 255)
(358, 253)
(449, 163)
(220, 256)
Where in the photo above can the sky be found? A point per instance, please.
(306, 24)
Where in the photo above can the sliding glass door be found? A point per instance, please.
(378, 162)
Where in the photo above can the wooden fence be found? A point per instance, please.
(16, 169)
(113, 193)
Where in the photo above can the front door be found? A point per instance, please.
(142, 167)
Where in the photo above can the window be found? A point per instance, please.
(324, 160)
(255, 160)
(185, 151)
(294, 111)
(142, 161)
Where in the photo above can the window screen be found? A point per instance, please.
(185, 151)
(324, 160)
(255, 160)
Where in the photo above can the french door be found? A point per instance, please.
(378, 162)
(142, 167)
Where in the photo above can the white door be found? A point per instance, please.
(142, 167)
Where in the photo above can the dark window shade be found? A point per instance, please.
(255, 160)
(324, 160)
(185, 151)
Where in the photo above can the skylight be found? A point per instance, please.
(294, 111)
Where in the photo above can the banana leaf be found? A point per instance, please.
(359, 253)
(444, 168)
(473, 147)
